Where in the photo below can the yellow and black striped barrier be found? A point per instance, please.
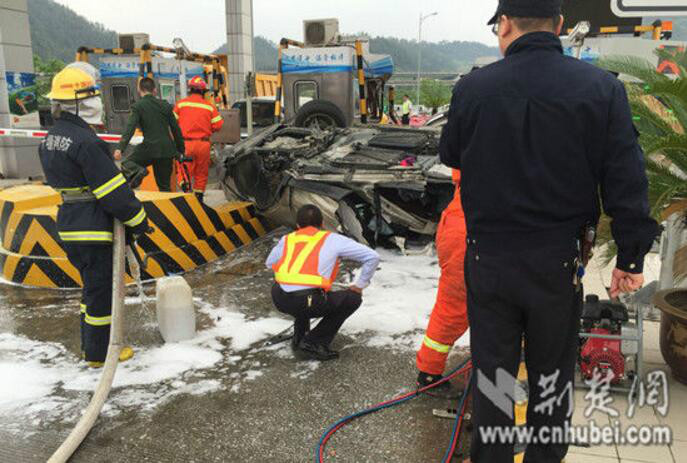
(659, 30)
(361, 81)
(187, 234)
(277, 94)
(520, 408)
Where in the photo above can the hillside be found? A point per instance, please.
(436, 57)
(57, 31)
(265, 54)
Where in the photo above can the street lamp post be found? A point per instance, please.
(419, 52)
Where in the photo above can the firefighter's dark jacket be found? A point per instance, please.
(156, 120)
(76, 161)
(540, 138)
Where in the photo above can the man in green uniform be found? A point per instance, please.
(155, 119)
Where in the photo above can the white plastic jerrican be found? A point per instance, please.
(175, 314)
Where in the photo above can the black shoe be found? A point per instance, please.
(317, 351)
(444, 390)
(135, 177)
(298, 337)
(296, 341)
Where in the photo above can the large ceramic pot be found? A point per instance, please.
(673, 337)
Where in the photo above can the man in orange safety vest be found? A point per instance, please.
(305, 264)
(449, 319)
(198, 119)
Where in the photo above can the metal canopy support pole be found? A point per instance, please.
(239, 21)
(419, 52)
(277, 96)
(17, 156)
(419, 58)
(249, 103)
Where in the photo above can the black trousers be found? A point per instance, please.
(334, 307)
(94, 263)
(511, 295)
(162, 168)
(405, 119)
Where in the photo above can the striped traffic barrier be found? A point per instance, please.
(187, 234)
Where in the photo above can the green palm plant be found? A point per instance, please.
(659, 109)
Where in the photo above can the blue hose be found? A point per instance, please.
(390, 404)
(456, 430)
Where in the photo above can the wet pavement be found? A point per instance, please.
(222, 397)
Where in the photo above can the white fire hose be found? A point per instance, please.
(83, 427)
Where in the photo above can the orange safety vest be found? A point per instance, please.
(300, 260)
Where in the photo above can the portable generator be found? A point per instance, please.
(610, 343)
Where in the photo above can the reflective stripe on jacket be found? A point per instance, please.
(300, 260)
(76, 161)
(198, 117)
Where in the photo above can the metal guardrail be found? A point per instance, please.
(33, 133)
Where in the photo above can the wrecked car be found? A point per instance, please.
(383, 186)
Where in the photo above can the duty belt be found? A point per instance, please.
(305, 292)
(77, 196)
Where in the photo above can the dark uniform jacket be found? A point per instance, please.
(540, 139)
(76, 161)
(155, 119)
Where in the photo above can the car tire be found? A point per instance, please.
(320, 114)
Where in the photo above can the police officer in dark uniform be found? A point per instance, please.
(79, 165)
(540, 139)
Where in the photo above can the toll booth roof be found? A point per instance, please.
(127, 66)
(334, 59)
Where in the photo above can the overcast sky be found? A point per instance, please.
(202, 23)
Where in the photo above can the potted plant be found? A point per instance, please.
(659, 107)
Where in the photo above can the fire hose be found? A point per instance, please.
(463, 368)
(83, 427)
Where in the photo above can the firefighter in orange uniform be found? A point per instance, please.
(198, 119)
(449, 319)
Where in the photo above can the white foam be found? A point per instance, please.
(397, 305)
(34, 375)
(31, 372)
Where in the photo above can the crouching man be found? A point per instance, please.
(305, 265)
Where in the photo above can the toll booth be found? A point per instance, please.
(119, 78)
(330, 73)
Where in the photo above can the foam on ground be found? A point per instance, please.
(42, 382)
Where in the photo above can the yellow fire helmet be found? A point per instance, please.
(72, 84)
